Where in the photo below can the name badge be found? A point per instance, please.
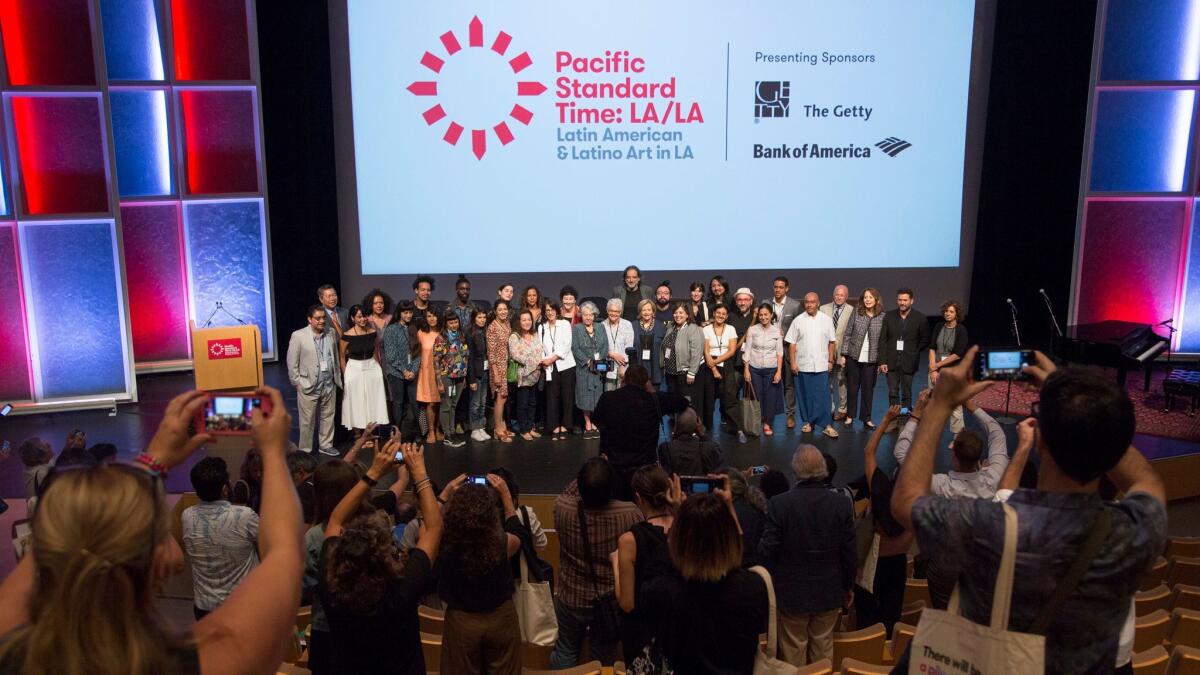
(612, 375)
(667, 353)
(899, 345)
(716, 351)
(645, 354)
(324, 366)
(485, 364)
(595, 356)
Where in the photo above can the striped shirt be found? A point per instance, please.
(578, 586)
(221, 541)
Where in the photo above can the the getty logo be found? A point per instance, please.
(893, 146)
(477, 85)
(772, 98)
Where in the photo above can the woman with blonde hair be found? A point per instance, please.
(82, 600)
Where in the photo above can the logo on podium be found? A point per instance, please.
(226, 348)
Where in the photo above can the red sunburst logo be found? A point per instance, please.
(494, 56)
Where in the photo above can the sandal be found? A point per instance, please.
(534, 433)
(527, 436)
(767, 430)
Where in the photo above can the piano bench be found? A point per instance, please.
(1181, 382)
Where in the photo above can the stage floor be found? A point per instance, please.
(541, 466)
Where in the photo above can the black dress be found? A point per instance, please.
(638, 628)
(360, 347)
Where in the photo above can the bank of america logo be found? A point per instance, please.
(893, 146)
(771, 98)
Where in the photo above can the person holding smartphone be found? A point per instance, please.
(589, 344)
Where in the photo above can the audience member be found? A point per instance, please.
(527, 516)
(808, 544)
(400, 367)
(364, 401)
(640, 558)
(631, 292)
(969, 478)
(369, 595)
(648, 333)
(497, 366)
(859, 356)
(949, 345)
(1085, 425)
(302, 465)
(218, 537)
(750, 506)
(36, 456)
(589, 522)
(247, 491)
(880, 596)
(682, 354)
(763, 357)
(773, 482)
(589, 344)
(831, 469)
(525, 350)
(810, 341)
(690, 452)
(482, 633)
(710, 611)
(477, 375)
(84, 599)
(331, 481)
(840, 312)
(559, 364)
(629, 420)
(452, 354)
(902, 339)
(103, 453)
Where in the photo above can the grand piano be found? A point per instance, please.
(1123, 345)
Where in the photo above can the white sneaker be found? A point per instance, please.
(331, 452)
(480, 435)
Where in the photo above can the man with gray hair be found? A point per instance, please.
(808, 545)
(840, 311)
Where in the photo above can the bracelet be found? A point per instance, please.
(421, 483)
(148, 463)
(368, 480)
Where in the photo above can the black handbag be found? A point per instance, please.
(606, 613)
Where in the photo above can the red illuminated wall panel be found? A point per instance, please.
(211, 40)
(156, 282)
(47, 42)
(220, 142)
(1132, 252)
(14, 347)
(60, 151)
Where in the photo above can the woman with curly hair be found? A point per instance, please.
(379, 305)
(370, 597)
(482, 633)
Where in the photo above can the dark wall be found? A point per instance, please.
(1033, 149)
(293, 53)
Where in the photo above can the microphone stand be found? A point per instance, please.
(1007, 417)
(220, 307)
(1050, 309)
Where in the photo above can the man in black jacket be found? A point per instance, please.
(689, 452)
(903, 339)
(629, 419)
(808, 545)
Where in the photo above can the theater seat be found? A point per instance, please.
(822, 667)
(1156, 574)
(1184, 661)
(1151, 662)
(1151, 630)
(1184, 571)
(902, 634)
(592, 668)
(916, 590)
(856, 667)
(535, 656)
(865, 645)
(433, 621)
(1154, 599)
(1183, 546)
(911, 613)
(431, 647)
(1185, 596)
(1185, 628)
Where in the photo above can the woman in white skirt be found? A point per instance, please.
(364, 401)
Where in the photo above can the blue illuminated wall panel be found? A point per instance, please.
(142, 139)
(1151, 40)
(132, 43)
(1189, 323)
(74, 301)
(1142, 140)
(227, 263)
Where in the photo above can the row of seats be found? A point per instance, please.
(1172, 571)
(1164, 597)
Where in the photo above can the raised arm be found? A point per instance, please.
(510, 511)
(1134, 474)
(431, 513)
(900, 450)
(249, 631)
(870, 463)
(1011, 479)
(997, 460)
(350, 504)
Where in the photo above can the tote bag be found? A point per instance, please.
(535, 609)
(765, 662)
(750, 410)
(949, 643)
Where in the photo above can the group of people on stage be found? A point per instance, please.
(536, 360)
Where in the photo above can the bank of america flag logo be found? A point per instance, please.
(771, 98)
(893, 146)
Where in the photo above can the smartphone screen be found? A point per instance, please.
(5, 410)
(399, 456)
(695, 485)
(758, 470)
(1003, 364)
(478, 480)
(230, 414)
(384, 431)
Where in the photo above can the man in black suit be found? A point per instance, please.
(903, 339)
(630, 419)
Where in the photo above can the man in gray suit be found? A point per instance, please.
(632, 292)
(840, 312)
(786, 310)
(313, 370)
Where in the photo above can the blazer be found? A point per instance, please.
(862, 327)
(791, 309)
(839, 326)
(915, 333)
(558, 343)
(303, 366)
(808, 544)
(343, 316)
(618, 291)
(690, 346)
(961, 342)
